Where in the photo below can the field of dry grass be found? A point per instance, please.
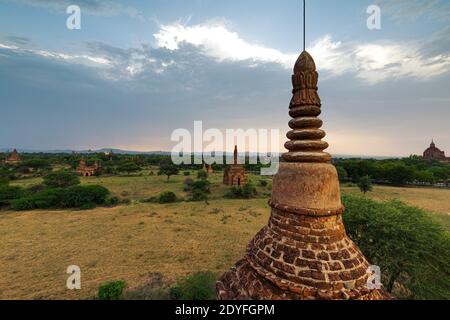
(126, 242)
(436, 201)
(131, 242)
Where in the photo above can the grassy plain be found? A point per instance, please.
(132, 242)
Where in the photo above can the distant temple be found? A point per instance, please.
(234, 174)
(435, 154)
(208, 168)
(13, 158)
(86, 170)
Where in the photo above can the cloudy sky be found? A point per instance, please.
(138, 70)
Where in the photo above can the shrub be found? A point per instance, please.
(199, 286)
(200, 190)
(187, 173)
(263, 183)
(4, 181)
(111, 290)
(199, 195)
(202, 185)
(248, 191)
(36, 188)
(410, 248)
(78, 196)
(23, 204)
(167, 197)
(113, 201)
(234, 193)
(61, 179)
(202, 175)
(73, 197)
(8, 193)
(365, 185)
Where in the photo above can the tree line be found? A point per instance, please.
(394, 171)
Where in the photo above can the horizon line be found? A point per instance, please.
(125, 151)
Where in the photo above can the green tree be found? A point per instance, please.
(168, 169)
(8, 193)
(167, 197)
(61, 179)
(400, 174)
(37, 164)
(112, 290)
(199, 286)
(342, 173)
(200, 190)
(412, 251)
(424, 176)
(365, 184)
(128, 167)
(249, 190)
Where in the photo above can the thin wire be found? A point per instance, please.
(304, 25)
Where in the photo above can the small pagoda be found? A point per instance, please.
(304, 252)
(208, 168)
(87, 170)
(234, 174)
(13, 158)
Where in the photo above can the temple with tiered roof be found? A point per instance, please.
(435, 154)
(13, 158)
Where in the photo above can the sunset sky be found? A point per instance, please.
(136, 71)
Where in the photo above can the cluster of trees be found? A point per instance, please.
(394, 171)
(411, 249)
(198, 189)
(248, 191)
(60, 189)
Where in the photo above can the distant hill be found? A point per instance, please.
(62, 151)
(120, 151)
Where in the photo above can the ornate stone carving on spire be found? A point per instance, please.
(305, 143)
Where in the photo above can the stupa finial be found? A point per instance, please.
(305, 143)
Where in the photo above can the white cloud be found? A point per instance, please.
(371, 62)
(218, 42)
(5, 46)
(82, 59)
(379, 62)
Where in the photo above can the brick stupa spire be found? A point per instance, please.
(304, 251)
